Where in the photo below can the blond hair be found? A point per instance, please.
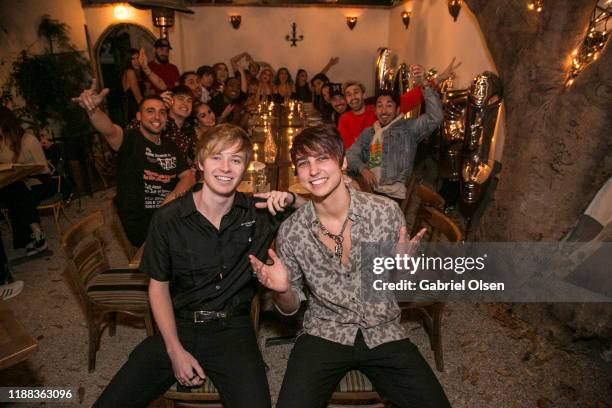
(222, 137)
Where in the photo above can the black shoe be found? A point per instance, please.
(38, 243)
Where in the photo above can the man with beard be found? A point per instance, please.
(179, 129)
(151, 170)
(360, 115)
(192, 81)
(337, 100)
(384, 154)
(161, 65)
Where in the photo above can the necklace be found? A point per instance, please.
(338, 239)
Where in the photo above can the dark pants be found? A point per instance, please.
(4, 268)
(21, 202)
(396, 369)
(227, 351)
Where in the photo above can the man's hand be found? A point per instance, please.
(449, 71)
(143, 61)
(90, 98)
(275, 201)
(167, 98)
(369, 178)
(187, 370)
(273, 276)
(226, 112)
(408, 246)
(418, 74)
(333, 61)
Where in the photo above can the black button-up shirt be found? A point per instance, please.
(208, 269)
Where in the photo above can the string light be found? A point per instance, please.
(593, 43)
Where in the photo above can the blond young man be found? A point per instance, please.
(202, 285)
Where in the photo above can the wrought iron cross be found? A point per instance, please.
(293, 37)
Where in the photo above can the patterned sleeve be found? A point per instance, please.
(285, 244)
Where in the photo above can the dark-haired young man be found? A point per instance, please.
(202, 285)
(206, 76)
(319, 246)
(384, 153)
(151, 170)
(179, 129)
(228, 104)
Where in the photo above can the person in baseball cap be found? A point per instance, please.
(337, 100)
(162, 67)
(162, 43)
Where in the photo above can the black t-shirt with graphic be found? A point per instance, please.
(146, 174)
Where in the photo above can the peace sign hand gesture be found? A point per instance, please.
(90, 98)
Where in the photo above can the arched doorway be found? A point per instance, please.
(112, 54)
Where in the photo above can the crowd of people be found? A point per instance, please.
(179, 162)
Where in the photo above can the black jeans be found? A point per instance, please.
(227, 351)
(21, 202)
(396, 369)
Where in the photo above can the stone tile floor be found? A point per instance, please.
(492, 358)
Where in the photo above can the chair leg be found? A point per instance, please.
(148, 320)
(437, 311)
(56, 215)
(63, 212)
(112, 323)
(94, 339)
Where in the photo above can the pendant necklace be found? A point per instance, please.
(338, 239)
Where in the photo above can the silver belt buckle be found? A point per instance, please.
(203, 316)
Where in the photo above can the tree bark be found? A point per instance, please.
(558, 140)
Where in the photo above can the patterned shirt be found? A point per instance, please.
(338, 308)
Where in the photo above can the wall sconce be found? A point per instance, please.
(406, 18)
(351, 22)
(121, 12)
(235, 20)
(535, 5)
(454, 7)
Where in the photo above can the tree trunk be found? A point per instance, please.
(558, 140)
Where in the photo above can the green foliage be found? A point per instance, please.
(49, 80)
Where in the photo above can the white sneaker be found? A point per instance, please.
(10, 290)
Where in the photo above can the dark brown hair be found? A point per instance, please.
(11, 131)
(320, 139)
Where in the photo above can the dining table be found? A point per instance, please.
(12, 172)
(16, 344)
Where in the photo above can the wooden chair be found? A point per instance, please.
(55, 203)
(411, 184)
(102, 291)
(428, 199)
(117, 228)
(438, 225)
(205, 395)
